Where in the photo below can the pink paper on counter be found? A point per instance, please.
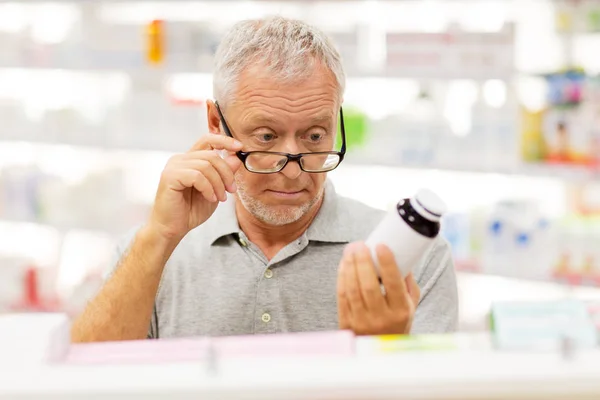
(195, 349)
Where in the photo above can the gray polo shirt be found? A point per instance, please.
(217, 282)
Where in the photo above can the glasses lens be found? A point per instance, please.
(265, 162)
(320, 162)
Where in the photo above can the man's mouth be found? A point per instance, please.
(287, 193)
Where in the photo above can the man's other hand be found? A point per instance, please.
(363, 306)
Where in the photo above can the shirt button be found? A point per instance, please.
(266, 317)
(268, 274)
(243, 242)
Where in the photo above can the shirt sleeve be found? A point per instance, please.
(437, 311)
(119, 252)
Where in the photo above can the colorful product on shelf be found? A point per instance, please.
(593, 19)
(519, 242)
(567, 130)
(568, 136)
(32, 301)
(577, 16)
(570, 120)
(533, 146)
(155, 42)
(565, 88)
(578, 259)
(356, 125)
(389, 344)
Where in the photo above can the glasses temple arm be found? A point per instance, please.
(343, 128)
(222, 118)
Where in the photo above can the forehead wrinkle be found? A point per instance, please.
(268, 114)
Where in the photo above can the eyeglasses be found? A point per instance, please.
(270, 162)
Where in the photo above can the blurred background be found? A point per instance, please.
(493, 104)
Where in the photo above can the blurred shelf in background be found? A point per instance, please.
(481, 101)
(566, 171)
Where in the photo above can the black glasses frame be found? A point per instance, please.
(243, 155)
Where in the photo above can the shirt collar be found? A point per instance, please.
(223, 222)
(330, 224)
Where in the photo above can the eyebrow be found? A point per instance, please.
(262, 119)
(321, 118)
(266, 119)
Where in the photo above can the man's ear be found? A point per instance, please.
(212, 115)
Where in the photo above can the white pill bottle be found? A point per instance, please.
(409, 229)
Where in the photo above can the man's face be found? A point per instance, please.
(292, 118)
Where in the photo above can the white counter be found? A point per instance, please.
(442, 374)
(414, 375)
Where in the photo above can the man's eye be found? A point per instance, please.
(315, 137)
(267, 137)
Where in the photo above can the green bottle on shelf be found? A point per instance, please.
(356, 124)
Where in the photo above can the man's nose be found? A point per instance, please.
(292, 170)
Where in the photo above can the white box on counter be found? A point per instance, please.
(33, 339)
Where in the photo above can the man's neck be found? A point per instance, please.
(272, 238)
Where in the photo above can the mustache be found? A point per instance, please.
(276, 183)
(282, 184)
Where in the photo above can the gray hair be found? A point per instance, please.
(288, 48)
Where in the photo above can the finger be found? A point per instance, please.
(210, 173)
(222, 167)
(205, 168)
(353, 292)
(204, 186)
(213, 141)
(234, 162)
(413, 289)
(368, 280)
(344, 315)
(395, 287)
(191, 178)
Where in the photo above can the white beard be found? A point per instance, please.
(273, 215)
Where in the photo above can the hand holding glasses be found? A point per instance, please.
(270, 162)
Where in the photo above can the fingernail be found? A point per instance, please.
(233, 188)
(347, 251)
(238, 144)
(350, 249)
(360, 246)
(214, 198)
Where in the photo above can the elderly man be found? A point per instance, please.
(283, 252)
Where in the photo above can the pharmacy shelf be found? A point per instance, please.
(133, 65)
(11, 226)
(85, 144)
(565, 279)
(8, 225)
(566, 172)
(140, 69)
(179, 1)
